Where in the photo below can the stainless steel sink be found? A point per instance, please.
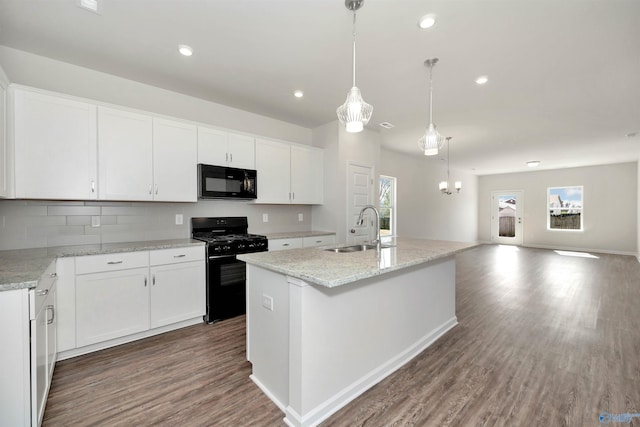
(355, 248)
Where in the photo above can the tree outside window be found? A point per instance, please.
(387, 205)
(565, 208)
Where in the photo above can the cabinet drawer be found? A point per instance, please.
(45, 283)
(175, 255)
(111, 262)
(311, 241)
(281, 244)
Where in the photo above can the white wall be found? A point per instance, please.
(45, 73)
(610, 207)
(341, 148)
(638, 215)
(423, 212)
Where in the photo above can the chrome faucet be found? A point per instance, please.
(361, 221)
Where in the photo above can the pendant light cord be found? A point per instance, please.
(354, 48)
(431, 94)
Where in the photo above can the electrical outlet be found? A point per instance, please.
(179, 219)
(300, 217)
(265, 217)
(267, 302)
(95, 221)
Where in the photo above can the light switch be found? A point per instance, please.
(265, 217)
(267, 302)
(95, 221)
(179, 219)
(300, 217)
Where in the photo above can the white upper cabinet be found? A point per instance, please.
(55, 147)
(216, 147)
(289, 173)
(307, 172)
(4, 166)
(273, 162)
(175, 152)
(125, 149)
(145, 158)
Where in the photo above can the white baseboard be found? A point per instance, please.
(349, 393)
(268, 393)
(570, 248)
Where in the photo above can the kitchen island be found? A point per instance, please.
(323, 326)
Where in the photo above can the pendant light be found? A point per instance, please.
(444, 185)
(431, 141)
(354, 113)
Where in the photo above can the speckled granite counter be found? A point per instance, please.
(295, 234)
(22, 268)
(330, 269)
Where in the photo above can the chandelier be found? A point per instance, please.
(444, 185)
(431, 141)
(354, 113)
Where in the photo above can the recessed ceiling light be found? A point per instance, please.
(185, 50)
(533, 163)
(298, 94)
(90, 5)
(387, 125)
(631, 134)
(427, 21)
(482, 80)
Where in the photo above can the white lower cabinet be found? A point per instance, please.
(28, 356)
(110, 299)
(111, 304)
(301, 242)
(177, 287)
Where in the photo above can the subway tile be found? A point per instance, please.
(108, 220)
(76, 220)
(166, 234)
(132, 219)
(105, 203)
(68, 240)
(20, 208)
(124, 210)
(131, 236)
(107, 229)
(55, 203)
(73, 210)
(53, 230)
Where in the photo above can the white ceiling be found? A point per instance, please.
(564, 75)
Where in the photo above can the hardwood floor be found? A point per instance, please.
(543, 339)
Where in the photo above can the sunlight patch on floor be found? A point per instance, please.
(577, 254)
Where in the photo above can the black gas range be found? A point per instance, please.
(226, 237)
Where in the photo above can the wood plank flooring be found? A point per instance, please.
(543, 339)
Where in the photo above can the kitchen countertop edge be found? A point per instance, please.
(21, 268)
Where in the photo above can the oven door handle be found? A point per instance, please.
(221, 256)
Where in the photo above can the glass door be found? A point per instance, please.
(506, 217)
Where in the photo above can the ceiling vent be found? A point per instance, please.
(387, 125)
(90, 5)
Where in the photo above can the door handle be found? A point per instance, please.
(53, 314)
(352, 231)
(114, 262)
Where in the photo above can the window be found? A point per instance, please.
(388, 209)
(564, 207)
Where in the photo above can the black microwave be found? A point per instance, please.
(220, 182)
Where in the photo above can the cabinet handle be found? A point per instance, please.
(285, 244)
(179, 256)
(145, 281)
(42, 292)
(93, 186)
(53, 314)
(52, 275)
(293, 196)
(318, 241)
(156, 189)
(153, 280)
(231, 157)
(226, 157)
(114, 262)
(150, 187)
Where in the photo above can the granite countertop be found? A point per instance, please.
(21, 268)
(294, 234)
(331, 269)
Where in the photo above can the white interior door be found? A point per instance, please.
(359, 194)
(506, 217)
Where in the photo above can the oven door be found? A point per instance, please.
(226, 288)
(219, 182)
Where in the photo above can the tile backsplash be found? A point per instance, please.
(43, 223)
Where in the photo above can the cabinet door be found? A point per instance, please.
(4, 189)
(273, 165)
(51, 307)
(55, 147)
(124, 155)
(283, 244)
(212, 147)
(306, 175)
(39, 368)
(111, 305)
(177, 292)
(242, 151)
(175, 161)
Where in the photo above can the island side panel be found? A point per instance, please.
(268, 332)
(346, 339)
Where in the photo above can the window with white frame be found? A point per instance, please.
(565, 209)
(388, 211)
